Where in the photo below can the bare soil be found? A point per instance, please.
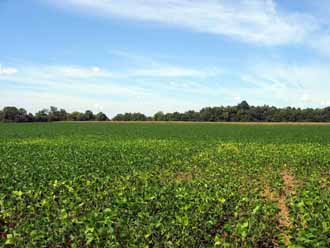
(289, 186)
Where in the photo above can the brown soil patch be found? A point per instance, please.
(184, 176)
(289, 186)
(268, 194)
(284, 218)
(284, 215)
(289, 182)
(288, 190)
(180, 176)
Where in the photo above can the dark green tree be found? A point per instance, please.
(159, 116)
(243, 105)
(11, 114)
(101, 117)
(42, 115)
(89, 116)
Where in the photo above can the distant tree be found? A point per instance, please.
(13, 114)
(168, 116)
(89, 116)
(243, 105)
(130, 117)
(206, 114)
(42, 115)
(63, 115)
(241, 112)
(101, 117)
(30, 117)
(57, 115)
(53, 114)
(159, 116)
(190, 116)
(118, 117)
(138, 117)
(176, 116)
(309, 115)
(10, 114)
(23, 116)
(75, 116)
(325, 114)
(243, 115)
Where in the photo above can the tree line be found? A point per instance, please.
(242, 112)
(14, 114)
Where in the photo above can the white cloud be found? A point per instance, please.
(78, 80)
(7, 70)
(99, 82)
(96, 69)
(35, 101)
(257, 21)
(174, 71)
(75, 71)
(155, 70)
(302, 85)
(145, 90)
(86, 87)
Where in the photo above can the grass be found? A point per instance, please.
(164, 185)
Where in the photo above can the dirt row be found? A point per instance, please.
(288, 190)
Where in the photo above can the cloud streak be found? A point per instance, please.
(74, 79)
(254, 21)
(302, 85)
(167, 87)
(100, 82)
(7, 70)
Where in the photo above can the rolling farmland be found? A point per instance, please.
(164, 185)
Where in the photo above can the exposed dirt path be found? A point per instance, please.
(289, 186)
(289, 182)
(287, 191)
(284, 216)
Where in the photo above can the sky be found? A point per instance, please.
(144, 56)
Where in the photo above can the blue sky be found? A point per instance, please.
(171, 55)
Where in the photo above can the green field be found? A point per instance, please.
(164, 185)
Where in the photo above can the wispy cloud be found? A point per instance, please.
(92, 81)
(7, 70)
(147, 66)
(175, 71)
(74, 71)
(101, 82)
(257, 21)
(297, 85)
(140, 70)
(166, 87)
(35, 101)
(155, 87)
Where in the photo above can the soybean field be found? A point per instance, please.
(164, 185)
